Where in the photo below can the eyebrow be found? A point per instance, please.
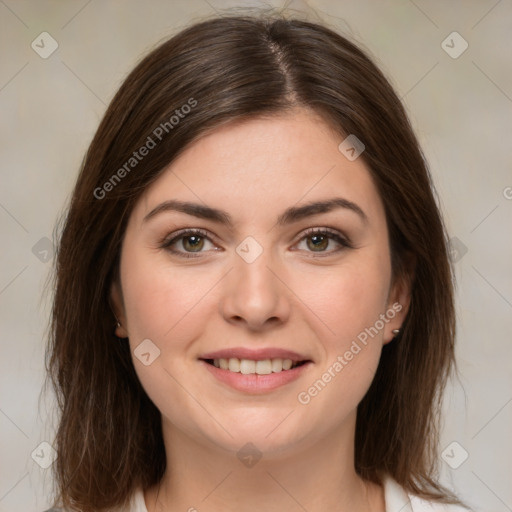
(289, 216)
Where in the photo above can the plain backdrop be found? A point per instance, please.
(460, 103)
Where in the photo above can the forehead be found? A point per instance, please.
(259, 165)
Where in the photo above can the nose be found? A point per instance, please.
(255, 295)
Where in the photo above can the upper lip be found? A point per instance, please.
(255, 354)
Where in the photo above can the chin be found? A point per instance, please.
(271, 434)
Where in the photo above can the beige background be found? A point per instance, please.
(461, 109)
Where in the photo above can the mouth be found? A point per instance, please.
(255, 371)
(256, 367)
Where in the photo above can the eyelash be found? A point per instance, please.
(331, 234)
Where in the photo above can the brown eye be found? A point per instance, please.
(192, 243)
(188, 243)
(318, 242)
(321, 240)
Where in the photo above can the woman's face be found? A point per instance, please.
(269, 280)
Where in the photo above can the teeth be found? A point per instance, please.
(249, 366)
(234, 365)
(263, 367)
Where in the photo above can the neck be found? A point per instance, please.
(314, 478)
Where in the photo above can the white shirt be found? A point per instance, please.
(395, 496)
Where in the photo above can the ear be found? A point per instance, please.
(399, 299)
(117, 305)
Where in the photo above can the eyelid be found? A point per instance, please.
(186, 231)
(337, 235)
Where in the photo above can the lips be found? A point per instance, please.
(255, 354)
(255, 371)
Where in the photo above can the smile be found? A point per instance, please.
(255, 370)
(249, 366)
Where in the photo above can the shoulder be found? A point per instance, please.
(398, 500)
(137, 504)
(420, 505)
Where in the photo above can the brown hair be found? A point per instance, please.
(234, 68)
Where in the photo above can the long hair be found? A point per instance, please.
(228, 69)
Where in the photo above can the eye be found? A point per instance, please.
(187, 242)
(190, 243)
(320, 239)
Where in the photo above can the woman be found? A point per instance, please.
(254, 304)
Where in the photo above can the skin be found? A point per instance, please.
(295, 296)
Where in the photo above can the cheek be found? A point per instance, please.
(162, 303)
(347, 299)
(348, 303)
(167, 306)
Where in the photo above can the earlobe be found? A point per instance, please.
(397, 311)
(398, 304)
(117, 307)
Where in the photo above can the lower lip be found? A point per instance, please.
(254, 383)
